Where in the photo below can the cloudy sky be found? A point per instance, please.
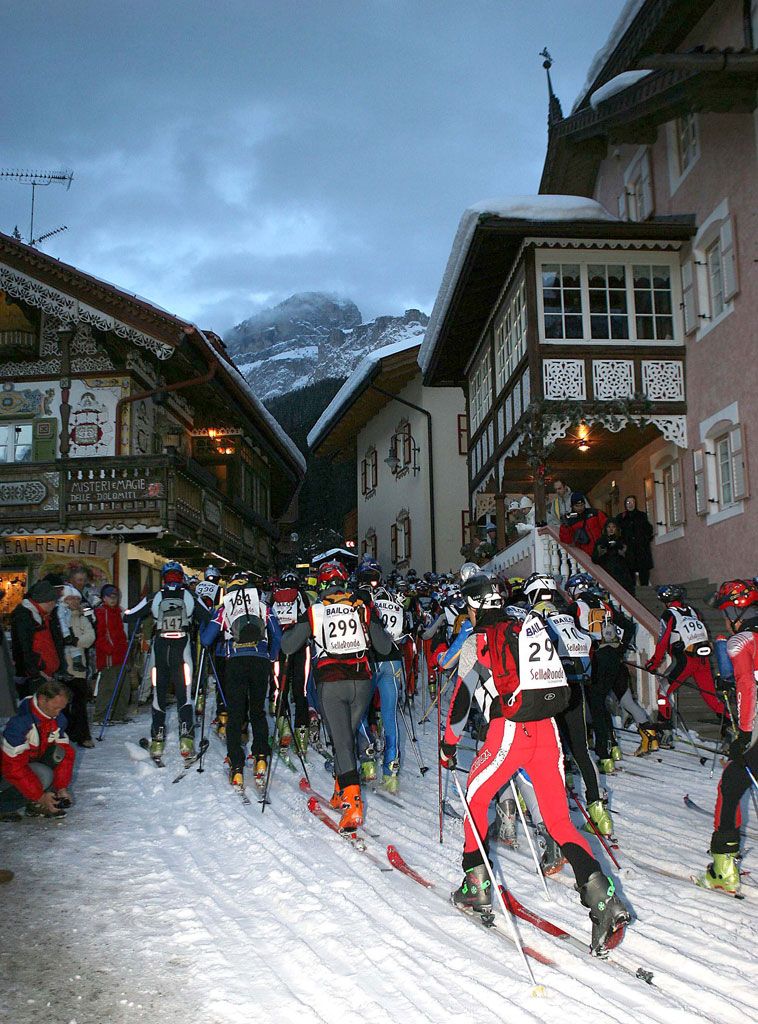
(227, 155)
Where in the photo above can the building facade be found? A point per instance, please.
(126, 437)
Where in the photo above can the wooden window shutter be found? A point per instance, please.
(393, 543)
(676, 493)
(688, 297)
(374, 465)
(739, 462)
(364, 488)
(623, 213)
(462, 433)
(646, 181)
(407, 444)
(728, 259)
(701, 496)
(465, 527)
(44, 431)
(408, 537)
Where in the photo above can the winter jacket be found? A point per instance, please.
(26, 738)
(637, 532)
(36, 641)
(612, 557)
(583, 531)
(82, 632)
(111, 642)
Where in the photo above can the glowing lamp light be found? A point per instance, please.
(583, 446)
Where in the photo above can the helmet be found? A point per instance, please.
(172, 572)
(290, 578)
(481, 593)
(735, 595)
(212, 573)
(539, 587)
(330, 573)
(514, 587)
(369, 571)
(579, 583)
(671, 592)
(239, 579)
(468, 569)
(515, 611)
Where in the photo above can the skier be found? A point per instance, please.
(738, 600)
(513, 671)
(683, 636)
(387, 678)
(291, 607)
(250, 635)
(209, 592)
(344, 629)
(174, 609)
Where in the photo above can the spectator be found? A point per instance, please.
(37, 760)
(560, 503)
(610, 554)
(110, 651)
(7, 689)
(36, 639)
(582, 526)
(78, 636)
(637, 533)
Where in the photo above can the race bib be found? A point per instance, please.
(572, 641)
(286, 612)
(343, 630)
(244, 601)
(540, 667)
(209, 590)
(391, 615)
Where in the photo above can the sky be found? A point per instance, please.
(228, 155)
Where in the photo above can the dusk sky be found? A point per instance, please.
(228, 155)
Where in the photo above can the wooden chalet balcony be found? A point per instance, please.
(161, 494)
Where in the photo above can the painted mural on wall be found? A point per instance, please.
(93, 416)
(17, 400)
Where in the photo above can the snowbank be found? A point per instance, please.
(616, 85)
(536, 208)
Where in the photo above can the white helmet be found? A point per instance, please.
(540, 587)
(469, 569)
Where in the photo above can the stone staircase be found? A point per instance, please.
(697, 716)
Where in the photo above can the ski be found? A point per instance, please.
(356, 841)
(157, 761)
(189, 761)
(305, 787)
(387, 797)
(747, 833)
(451, 812)
(398, 862)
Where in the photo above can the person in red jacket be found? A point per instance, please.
(37, 759)
(583, 525)
(738, 600)
(36, 638)
(111, 645)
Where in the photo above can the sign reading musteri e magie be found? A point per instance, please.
(113, 490)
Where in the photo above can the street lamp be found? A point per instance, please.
(392, 460)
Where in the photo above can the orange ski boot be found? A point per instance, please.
(352, 809)
(336, 800)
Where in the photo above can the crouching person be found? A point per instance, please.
(37, 759)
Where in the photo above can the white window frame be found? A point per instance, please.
(545, 257)
(678, 173)
(665, 467)
(638, 199)
(510, 336)
(716, 230)
(14, 427)
(722, 424)
(480, 389)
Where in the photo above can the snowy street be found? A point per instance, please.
(160, 902)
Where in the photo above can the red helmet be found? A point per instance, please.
(735, 594)
(332, 572)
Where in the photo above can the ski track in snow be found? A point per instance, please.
(158, 902)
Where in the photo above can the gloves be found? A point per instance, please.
(739, 746)
(447, 756)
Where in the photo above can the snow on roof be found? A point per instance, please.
(353, 385)
(616, 85)
(628, 13)
(536, 208)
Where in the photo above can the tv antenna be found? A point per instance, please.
(37, 179)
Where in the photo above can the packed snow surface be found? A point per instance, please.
(545, 208)
(616, 85)
(164, 904)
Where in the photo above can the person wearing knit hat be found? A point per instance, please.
(583, 525)
(36, 638)
(78, 636)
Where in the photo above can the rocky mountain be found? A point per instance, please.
(310, 337)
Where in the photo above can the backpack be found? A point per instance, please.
(169, 608)
(526, 669)
(245, 616)
(338, 627)
(391, 614)
(573, 644)
(690, 632)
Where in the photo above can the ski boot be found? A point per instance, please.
(187, 746)
(261, 764)
(221, 720)
(474, 893)
(504, 826)
(607, 766)
(648, 740)
(336, 797)
(665, 737)
(391, 780)
(200, 704)
(158, 744)
(237, 779)
(284, 731)
(722, 873)
(352, 809)
(552, 859)
(601, 818)
(301, 740)
(377, 734)
(368, 766)
(607, 912)
(432, 689)
(616, 755)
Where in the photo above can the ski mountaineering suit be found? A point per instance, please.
(386, 675)
(683, 636)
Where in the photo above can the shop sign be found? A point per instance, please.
(58, 544)
(114, 489)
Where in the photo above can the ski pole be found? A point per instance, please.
(439, 765)
(440, 694)
(408, 704)
(594, 828)
(117, 687)
(273, 749)
(202, 686)
(537, 990)
(721, 733)
(423, 768)
(209, 658)
(688, 734)
(294, 736)
(529, 840)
